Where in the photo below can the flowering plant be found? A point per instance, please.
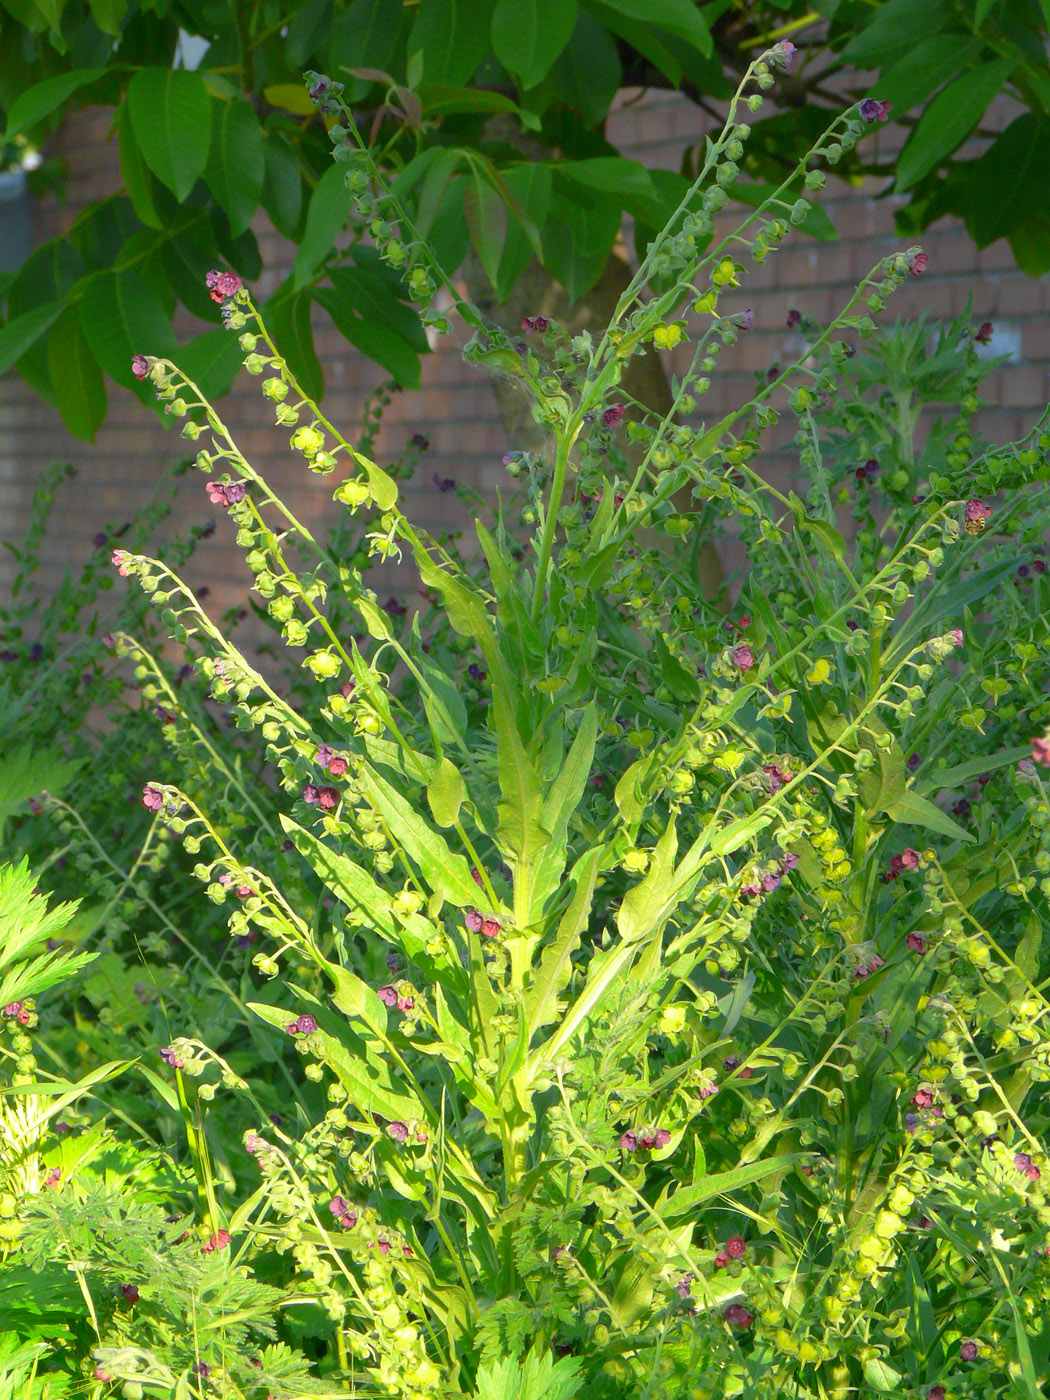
(670, 972)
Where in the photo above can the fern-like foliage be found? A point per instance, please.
(165, 1307)
(26, 924)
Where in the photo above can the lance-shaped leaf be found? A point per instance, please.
(367, 902)
(555, 967)
(171, 117)
(446, 872)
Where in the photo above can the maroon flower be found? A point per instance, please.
(323, 756)
(874, 111)
(444, 483)
(735, 1247)
(475, 875)
(130, 1292)
(984, 334)
(613, 415)
(778, 777)
(489, 928)
(306, 1024)
(406, 1003)
(977, 510)
(629, 1142)
(153, 798)
(968, 1351)
(743, 657)
(1025, 1165)
(223, 285)
(738, 1316)
(868, 471)
(419, 442)
(917, 266)
(398, 1131)
(220, 1240)
(13, 1008)
(794, 319)
(311, 794)
(684, 1286)
(913, 762)
(473, 920)
(935, 1392)
(337, 766)
(201, 1368)
(916, 943)
(721, 1260)
(922, 1098)
(790, 860)
(343, 1213)
(139, 366)
(170, 1056)
(660, 1138)
(475, 672)
(328, 799)
(534, 323)
(1041, 751)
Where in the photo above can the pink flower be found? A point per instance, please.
(489, 928)
(721, 1260)
(1041, 751)
(743, 657)
(922, 1098)
(328, 799)
(534, 323)
(956, 635)
(874, 111)
(916, 943)
(977, 510)
(917, 266)
(794, 319)
(968, 1351)
(139, 366)
(613, 415)
(223, 285)
(735, 1247)
(120, 558)
(152, 798)
(220, 1240)
(984, 334)
(1025, 1165)
(738, 1316)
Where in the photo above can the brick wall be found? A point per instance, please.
(455, 408)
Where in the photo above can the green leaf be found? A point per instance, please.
(25, 330)
(578, 237)
(882, 1377)
(32, 106)
(237, 161)
(894, 29)
(610, 174)
(486, 215)
(528, 35)
(1010, 179)
(326, 217)
(374, 340)
(588, 73)
(924, 68)
(938, 779)
(135, 172)
(685, 1200)
(445, 793)
(368, 903)
(122, 315)
(287, 313)
(913, 810)
(647, 904)
(679, 17)
(442, 100)
(171, 118)
(282, 192)
(212, 361)
(530, 185)
(364, 37)
(307, 29)
(80, 391)
(109, 15)
(950, 118)
(453, 36)
(446, 872)
(555, 968)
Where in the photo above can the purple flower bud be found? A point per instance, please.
(387, 995)
(473, 920)
(139, 366)
(398, 1131)
(874, 111)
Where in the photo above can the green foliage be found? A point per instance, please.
(457, 92)
(604, 1033)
